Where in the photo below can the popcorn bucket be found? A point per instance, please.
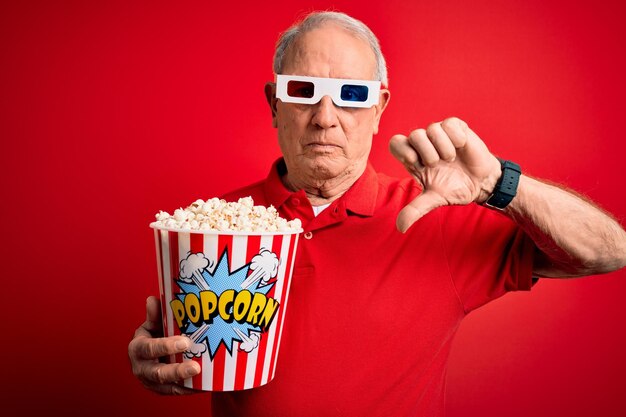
(227, 291)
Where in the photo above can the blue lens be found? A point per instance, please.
(351, 92)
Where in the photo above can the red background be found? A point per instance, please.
(113, 110)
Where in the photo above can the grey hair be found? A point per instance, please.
(317, 19)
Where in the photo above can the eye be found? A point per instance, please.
(303, 89)
(351, 92)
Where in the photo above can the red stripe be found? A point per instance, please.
(219, 361)
(196, 242)
(283, 304)
(223, 242)
(196, 245)
(277, 242)
(174, 261)
(162, 286)
(252, 249)
(258, 375)
(240, 373)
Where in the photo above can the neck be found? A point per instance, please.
(322, 191)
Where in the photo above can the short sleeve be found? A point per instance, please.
(488, 254)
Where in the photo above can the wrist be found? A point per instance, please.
(506, 187)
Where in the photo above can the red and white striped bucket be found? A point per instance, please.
(228, 292)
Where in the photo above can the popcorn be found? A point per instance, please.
(219, 215)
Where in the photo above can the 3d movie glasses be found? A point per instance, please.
(310, 90)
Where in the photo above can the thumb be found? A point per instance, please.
(416, 209)
(153, 313)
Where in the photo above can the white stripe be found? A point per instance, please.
(284, 304)
(189, 381)
(184, 246)
(238, 250)
(251, 368)
(210, 251)
(163, 259)
(159, 268)
(238, 259)
(266, 243)
(278, 291)
(167, 287)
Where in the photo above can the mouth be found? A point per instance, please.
(321, 145)
(321, 148)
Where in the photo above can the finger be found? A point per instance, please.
(456, 129)
(154, 323)
(416, 209)
(401, 150)
(441, 142)
(424, 147)
(147, 347)
(151, 373)
(470, 144)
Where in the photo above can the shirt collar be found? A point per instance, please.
(359, 199)
(275, 190)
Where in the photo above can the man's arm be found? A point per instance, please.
(574, 237)
(454, 167)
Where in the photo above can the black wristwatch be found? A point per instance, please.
(506, 187)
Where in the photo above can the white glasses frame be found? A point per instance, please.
(328, 87)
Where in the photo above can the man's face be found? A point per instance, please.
(323, 141)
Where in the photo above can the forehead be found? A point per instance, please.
(330, 51)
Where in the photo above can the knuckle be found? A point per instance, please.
(453, 123)
(415, 135)
(448, 156)
(141, 373)
(433, 127)
(136, 370)
(430, 158)
(132, 349)
(151, 349)
(432, 130)
(449, 123)
(397, 141)
(181, 372)
(137, 348)
(159, 375)
(405, 155)
(410, 159)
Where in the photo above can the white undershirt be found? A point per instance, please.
(318, 209)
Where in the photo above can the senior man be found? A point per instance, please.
(382, 280)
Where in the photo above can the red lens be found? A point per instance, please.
(302, 89)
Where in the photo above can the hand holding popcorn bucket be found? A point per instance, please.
(226, 289)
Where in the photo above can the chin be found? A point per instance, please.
(326, 168)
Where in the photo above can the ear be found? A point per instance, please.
(385, 96)
(270, 96)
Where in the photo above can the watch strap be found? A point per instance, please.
(506, 187)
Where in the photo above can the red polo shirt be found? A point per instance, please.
(372, 312)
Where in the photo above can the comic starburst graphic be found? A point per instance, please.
(219, 331)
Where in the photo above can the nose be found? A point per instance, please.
(325, 114)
